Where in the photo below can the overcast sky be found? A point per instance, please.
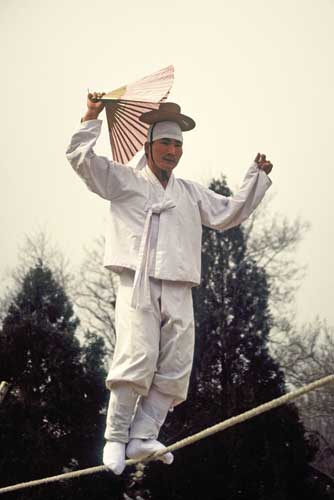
(255, 75)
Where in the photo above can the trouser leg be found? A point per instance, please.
(131, 371)
(121, 408)
(176, 342)
(137, 338)
(150, 415)
(154, 351)
(171, 380)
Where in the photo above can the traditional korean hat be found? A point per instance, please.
(168, 111)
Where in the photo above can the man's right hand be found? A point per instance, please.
(94, 106)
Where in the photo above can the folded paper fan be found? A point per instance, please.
(124, 106)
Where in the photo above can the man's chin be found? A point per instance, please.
(168, 167)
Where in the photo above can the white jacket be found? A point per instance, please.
(171, 251)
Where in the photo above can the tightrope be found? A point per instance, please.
(4, 388)
(225, 424)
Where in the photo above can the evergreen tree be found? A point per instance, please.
(52, 420)
(266, 458)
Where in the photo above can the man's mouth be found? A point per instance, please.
(170, 160)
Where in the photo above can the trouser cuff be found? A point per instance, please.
(144, 426)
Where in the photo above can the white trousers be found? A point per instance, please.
(154, 348)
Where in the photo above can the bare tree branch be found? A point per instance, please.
(272, 242)
(36, 248)
(307, 355)
(95, 295)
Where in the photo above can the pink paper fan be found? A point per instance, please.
(124, 106)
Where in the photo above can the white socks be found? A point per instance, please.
(139, 449)
(150, 415)
(114, 453)
(114, 456)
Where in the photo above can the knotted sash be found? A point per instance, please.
(141, 295)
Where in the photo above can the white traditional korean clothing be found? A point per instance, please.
(154, 241)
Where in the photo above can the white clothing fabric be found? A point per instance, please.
(141, 289)
(142, 162)
(133, 193)
(121, 409)
(150, 415)
(154, 349)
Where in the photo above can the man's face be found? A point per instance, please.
(166, 153)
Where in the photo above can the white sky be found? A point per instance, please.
(255, 75)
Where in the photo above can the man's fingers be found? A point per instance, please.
(261, 158)
(95, 96)
(263, 163)
(92, 96)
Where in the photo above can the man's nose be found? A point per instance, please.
(171, 149)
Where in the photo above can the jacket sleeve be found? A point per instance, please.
(223, 212)
(106, 178)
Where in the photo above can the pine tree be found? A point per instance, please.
(266, 458)
(52, 420)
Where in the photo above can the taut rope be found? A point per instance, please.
(4, 388)
(189, 440)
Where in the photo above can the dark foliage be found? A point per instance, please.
(52, 420)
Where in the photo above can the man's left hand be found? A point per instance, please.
(263, 164)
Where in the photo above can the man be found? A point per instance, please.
(154, 243)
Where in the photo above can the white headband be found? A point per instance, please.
(165, 129)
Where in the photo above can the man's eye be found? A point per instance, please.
(167, 142)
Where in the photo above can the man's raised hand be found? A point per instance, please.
(94, 106)
(263, 164)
